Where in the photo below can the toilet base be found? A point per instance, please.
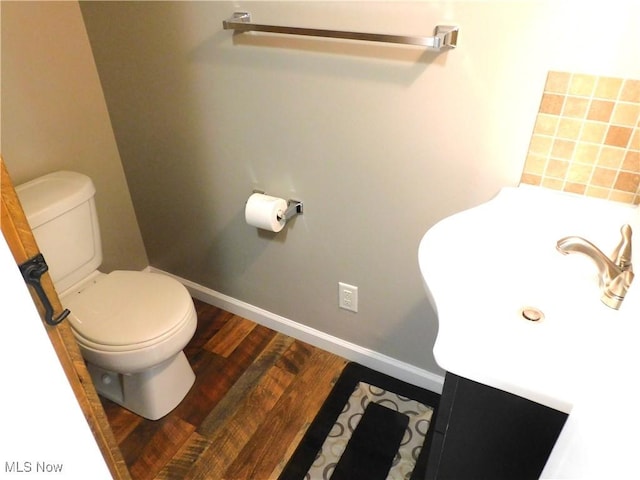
(152, 393)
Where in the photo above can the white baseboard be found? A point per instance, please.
(355, 353)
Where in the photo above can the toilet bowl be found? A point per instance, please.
(132, 361)
(131, 326)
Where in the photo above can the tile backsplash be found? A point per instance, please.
(586, 138)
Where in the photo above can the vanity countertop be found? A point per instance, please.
(483, 265)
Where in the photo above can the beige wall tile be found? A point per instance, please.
(563, 149)
(593, 132)
(631, 91)
(556, 168)
(579, 173)
(575, 107)
(546, 124)
(626, 114)
(530, 179)
(627, 182)
(557, 82)
(625, 197)
(582, 84)
(540, 145)
(618, 136)
(608, 87)
(597, 192)
(535, 164)
(569, 128)
(600, 110)
(603, 177)
(631, 162)
(552, 183)
(611, 157)
(579, 188)
(635, 139)
(586, 139)
(551, 103)
(586, 152)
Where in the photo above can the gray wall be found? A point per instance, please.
(379, 141)
(54, 117)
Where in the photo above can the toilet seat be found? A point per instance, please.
(128, 320)
(129, 309)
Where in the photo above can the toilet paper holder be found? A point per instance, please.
(294, 207)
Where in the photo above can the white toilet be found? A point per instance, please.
(131, 326)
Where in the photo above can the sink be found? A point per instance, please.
(483, 266)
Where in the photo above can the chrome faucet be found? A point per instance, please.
(615, 274)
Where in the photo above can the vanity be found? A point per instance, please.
(539, 369)
(484, 432)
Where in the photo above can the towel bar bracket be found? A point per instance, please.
(445, 36)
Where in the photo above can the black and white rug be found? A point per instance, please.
(371, 427)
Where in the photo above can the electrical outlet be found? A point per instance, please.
(348, 297)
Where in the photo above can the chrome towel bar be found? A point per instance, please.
(445, 36)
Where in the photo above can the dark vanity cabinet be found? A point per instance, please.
(481, 432)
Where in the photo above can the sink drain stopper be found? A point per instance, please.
(532, 314)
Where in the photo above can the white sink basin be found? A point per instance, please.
(482, 266)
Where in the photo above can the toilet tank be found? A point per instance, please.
(61, 211)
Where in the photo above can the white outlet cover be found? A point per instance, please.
(348, 297)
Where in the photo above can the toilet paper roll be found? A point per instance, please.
(265, 212)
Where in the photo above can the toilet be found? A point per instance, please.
(131, 326)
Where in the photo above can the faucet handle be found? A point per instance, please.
(614, 293)
(621, 256)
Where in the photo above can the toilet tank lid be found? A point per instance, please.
(45, 198)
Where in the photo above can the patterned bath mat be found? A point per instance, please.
(371, 427)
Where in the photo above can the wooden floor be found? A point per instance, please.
(256, 392)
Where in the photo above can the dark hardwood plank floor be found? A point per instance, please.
(256, 392)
